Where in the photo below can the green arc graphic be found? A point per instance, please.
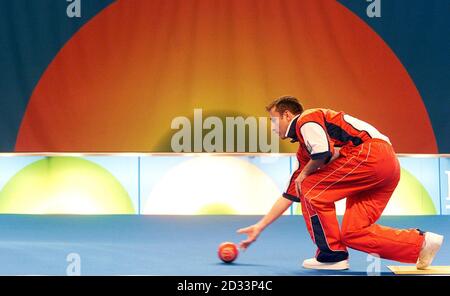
(64, 185)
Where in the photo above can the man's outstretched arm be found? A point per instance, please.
(280, 206)
(253, 231)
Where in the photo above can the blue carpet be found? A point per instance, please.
(173, 245)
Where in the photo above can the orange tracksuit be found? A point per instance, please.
(366, 173)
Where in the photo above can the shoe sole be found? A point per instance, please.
(328, 266)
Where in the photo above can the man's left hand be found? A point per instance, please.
(298, 184)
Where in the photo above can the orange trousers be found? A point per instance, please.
(366, 175)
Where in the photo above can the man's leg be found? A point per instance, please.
(323, 226)
(367, 175)
(360, 232)
(345, 176)
(364, 208)
(371, 165)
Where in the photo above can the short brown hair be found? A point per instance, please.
(284, 103)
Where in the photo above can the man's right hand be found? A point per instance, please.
(252, 232)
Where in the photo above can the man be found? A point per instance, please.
(342, 157)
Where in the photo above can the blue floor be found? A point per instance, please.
(172, 245)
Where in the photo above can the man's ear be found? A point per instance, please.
(288, 115)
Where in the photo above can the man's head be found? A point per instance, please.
(282, 110)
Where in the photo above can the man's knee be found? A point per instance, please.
(349, 238)
(346, 237)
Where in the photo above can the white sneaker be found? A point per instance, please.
(432, 244)
(312, 263)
